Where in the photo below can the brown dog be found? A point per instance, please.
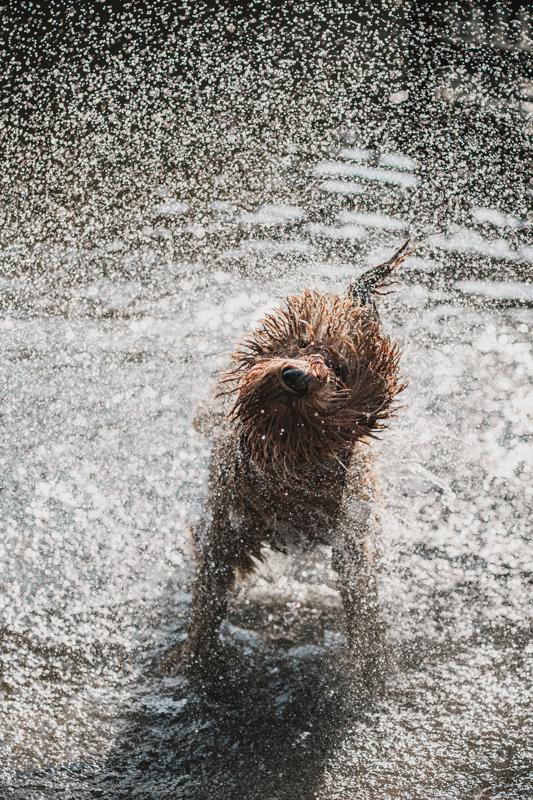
(291, 460)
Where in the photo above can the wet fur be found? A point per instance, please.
(287, 469)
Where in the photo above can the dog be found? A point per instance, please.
(291, 462)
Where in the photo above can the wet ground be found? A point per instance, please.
(157, 200)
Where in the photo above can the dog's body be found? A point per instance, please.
(291, 461)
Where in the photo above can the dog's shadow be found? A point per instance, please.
(263, 729)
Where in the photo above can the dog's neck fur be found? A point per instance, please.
(332, 471)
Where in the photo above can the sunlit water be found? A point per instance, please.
(158, 200)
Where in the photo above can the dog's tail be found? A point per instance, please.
(376, 278)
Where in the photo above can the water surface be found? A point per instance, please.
(169, 176)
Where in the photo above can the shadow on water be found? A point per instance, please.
(269, 733)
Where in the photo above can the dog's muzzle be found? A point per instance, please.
(296, 380)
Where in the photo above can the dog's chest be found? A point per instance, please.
(289, 513)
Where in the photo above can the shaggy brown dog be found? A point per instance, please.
(291, 460)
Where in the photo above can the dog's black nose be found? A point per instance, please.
(296, 380)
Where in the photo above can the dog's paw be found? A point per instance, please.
(206, 665)
(367, 672)
(185, 657)
(212, 671)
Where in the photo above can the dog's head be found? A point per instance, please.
(314, 378)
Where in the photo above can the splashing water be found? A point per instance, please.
(170, 172)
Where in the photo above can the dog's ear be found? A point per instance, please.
(371, 282)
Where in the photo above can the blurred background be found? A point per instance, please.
(169, 172)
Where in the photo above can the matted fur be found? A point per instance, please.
(290, 463)
(354, 369)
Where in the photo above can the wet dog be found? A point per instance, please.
(291, 461)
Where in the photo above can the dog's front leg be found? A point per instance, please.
(354, 559)
(215, 574)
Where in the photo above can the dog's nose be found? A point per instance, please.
(296, 380)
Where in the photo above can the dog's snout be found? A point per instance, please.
(296, 380)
